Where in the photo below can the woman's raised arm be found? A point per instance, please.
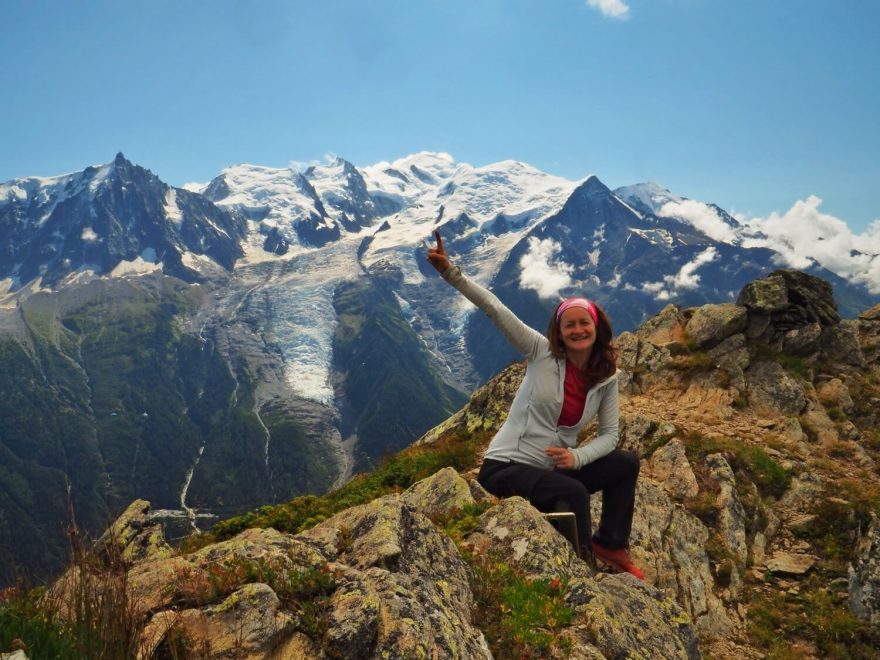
(528, 341)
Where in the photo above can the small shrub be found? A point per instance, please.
(461, 522)
(521, 618)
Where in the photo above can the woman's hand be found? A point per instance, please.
(437, 255)
(561, 457)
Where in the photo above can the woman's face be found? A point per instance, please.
(577, 330)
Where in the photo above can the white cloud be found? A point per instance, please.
(700, 215)
(611, 8)
(685, 278)
(804, 234)
(89, 235)
(541, 271)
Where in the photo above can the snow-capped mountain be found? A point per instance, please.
(116, 216)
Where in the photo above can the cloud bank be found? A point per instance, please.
(702, 216)
(686, 278)
(804, 234)
(541, 271)
(610, 8)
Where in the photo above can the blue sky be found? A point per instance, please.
(751, 105)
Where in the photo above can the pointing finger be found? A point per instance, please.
(439, 242)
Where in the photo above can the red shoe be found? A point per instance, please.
(618, 559)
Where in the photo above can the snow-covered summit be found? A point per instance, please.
(407, 178)
(653, 199)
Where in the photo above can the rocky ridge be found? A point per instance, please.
(756, 518)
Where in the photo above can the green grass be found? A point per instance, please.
(770, 478)
(22, 618)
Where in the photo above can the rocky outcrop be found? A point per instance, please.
(864, 575)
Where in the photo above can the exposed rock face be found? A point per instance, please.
(864, 576)
(771, 388)
(616, 614)
(136, 536)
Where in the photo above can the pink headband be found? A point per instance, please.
(578, 302)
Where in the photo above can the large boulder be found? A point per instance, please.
(771, 390)
(440, 494)
(711, 324)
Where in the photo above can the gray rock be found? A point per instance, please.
(785, 563)
(765, 296)
(864, 575)
(731, 514)
(841, 344)
(803, 340)
(669, 544)
(771, 390)
(617, 614)
(711, 324)
(439, 494)
(669, 466)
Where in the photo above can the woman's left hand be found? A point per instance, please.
(562, 457)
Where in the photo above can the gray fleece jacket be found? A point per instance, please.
(531, 424)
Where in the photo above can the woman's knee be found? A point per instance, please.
(628, 462)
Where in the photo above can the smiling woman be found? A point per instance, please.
(570, 379)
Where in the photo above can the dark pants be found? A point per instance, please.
(569, 490)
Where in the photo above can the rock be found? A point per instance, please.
(669, 544)
(872, 314)
(634, 431)
(711, 324)
(519, 535)
(765, 296)
(623, 615)
(818, 425)
(353, 618)
(771, 390)
(248, 624)
(439, 494)
(135, 536)
(670, 467)
(840, 344)
(664, 327)
(864, 575)
(803, 340)
(158, 584)
(732, 354)
(641, 364)
(784, 301)
(790, 564)
(810, 299)
(420, 581)
(835, 393)
(612, 612)
(479, 493)
(731, 514)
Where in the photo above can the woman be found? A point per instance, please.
(570, 378)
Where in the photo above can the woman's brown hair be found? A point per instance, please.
(603, 360)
